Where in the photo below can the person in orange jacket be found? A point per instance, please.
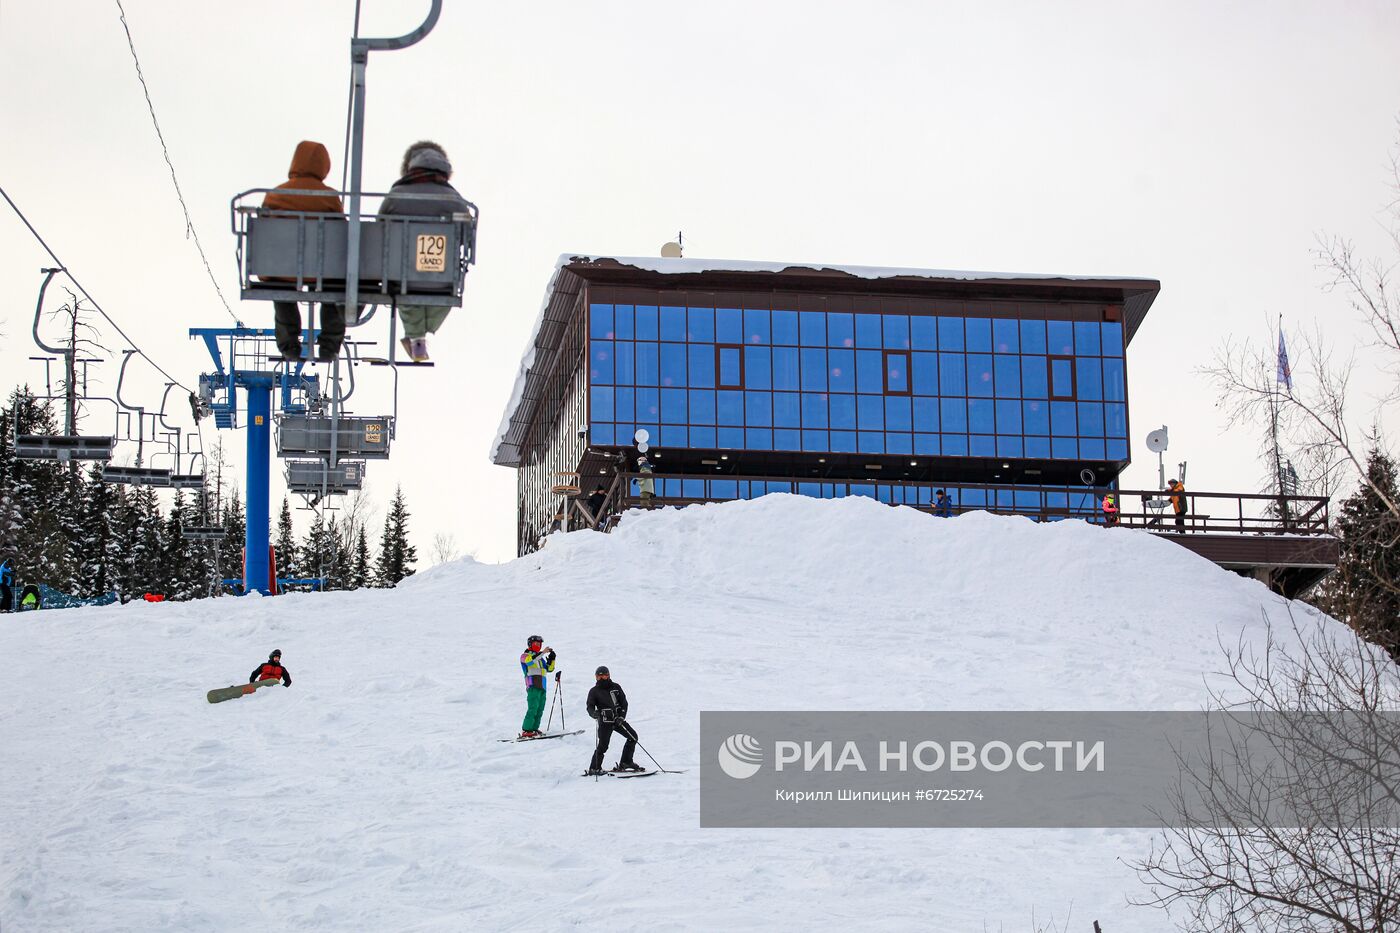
(1178, 497)
(311, 163)
(271, 669)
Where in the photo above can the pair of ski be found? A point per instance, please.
(621, 774)
(536, 738)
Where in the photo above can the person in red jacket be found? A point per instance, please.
(271, 669)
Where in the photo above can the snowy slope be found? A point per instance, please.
(372, 795)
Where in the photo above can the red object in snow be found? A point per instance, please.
(154, 597)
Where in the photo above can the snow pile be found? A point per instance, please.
(373, 795)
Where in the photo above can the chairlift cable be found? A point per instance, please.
(91, 300)
(190, 232)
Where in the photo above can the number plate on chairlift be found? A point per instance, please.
(432, 252)
(374, 434)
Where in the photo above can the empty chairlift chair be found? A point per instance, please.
(318, 477)
(136, 476)
(63, 447)
(321, 437)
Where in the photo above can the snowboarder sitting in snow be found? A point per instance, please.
(608, 704)
(536, 662)
(272, 669)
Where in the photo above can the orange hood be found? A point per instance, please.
(311, 159)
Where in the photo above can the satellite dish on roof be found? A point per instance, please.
(671, 250)
(641, 437)
(1157, 440)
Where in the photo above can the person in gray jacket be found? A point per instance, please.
(423, 190)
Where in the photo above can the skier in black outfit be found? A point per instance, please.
(608, 704)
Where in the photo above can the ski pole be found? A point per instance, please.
(643, 747)
(559, 694)
(551, 712)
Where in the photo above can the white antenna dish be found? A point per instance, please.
(671, 250)
(643, 447)
(641, 437)
(1157, 440)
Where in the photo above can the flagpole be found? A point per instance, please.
(1273, 414)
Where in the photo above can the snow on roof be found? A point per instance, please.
(695, 266)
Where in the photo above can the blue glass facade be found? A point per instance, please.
(715, 378)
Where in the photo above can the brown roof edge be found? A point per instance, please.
(1136, 294)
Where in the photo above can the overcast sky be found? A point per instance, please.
(1202, 144)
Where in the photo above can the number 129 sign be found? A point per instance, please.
(432, 252)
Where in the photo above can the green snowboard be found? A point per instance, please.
(221, 694)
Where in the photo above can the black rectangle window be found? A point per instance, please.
(1062, 377)
(729, 364)
(896, 372)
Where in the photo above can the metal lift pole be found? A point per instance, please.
(255, 539)
(359, 59)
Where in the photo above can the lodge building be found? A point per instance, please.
(1009, 391)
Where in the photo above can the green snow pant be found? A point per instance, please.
(534, 710)
(421, 320)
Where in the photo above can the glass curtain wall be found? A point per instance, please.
(741, 378)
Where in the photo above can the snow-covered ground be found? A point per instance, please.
(372, 795)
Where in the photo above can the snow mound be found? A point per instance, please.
(373, 793)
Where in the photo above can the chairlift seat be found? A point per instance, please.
(187, 480)
(136, 476)
(203, 533)
(357, 438)
(299, 256)
(63, 447)
(312, 477)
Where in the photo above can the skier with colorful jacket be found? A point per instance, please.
(1110, 510)
(536, 662)
(271, 669)
(608, 705)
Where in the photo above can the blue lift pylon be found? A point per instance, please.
(246, 369)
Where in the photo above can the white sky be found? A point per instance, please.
(1202, 144)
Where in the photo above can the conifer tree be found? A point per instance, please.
(359, 573)
(318, 554)
(396, 555)
(29, 490)
(100, 557)
(231, 554)
(289, 562)
(145, 546)
(1365, 590)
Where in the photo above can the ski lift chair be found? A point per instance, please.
(63, 447)
(187, 480)
(203, 533)
(318, 477)
(301, 256)
(321, 436)
(136, 476)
